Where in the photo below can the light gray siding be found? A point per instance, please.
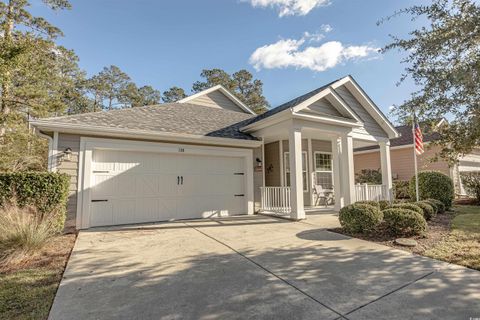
(371, 126)
(70, 167)
(323, 106)
(216, 99)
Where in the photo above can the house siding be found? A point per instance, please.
(216, 99)
(370, 125)
(323, 106)
(272, 162)
(402, 162)
(70, 167)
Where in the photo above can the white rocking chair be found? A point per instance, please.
(325, 195)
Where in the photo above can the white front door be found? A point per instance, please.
(136, 187)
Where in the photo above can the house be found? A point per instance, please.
(209, 155)
(402, 158)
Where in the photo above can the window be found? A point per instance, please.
(286, 164)
(323, 170)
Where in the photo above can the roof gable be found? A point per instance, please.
(217, 97)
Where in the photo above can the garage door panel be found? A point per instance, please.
(101, 214)
(144, 187)
(124, 211)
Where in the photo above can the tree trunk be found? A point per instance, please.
(6, 83)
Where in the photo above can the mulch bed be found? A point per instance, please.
(438, 228)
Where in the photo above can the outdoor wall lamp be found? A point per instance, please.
(259, 162)
(67, 154)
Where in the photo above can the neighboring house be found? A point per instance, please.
(209, 155)
(402, 161)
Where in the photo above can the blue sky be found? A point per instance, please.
(288, 44)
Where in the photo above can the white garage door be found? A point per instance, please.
(136, 187)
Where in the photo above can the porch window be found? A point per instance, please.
(286, 163)
(323, 170)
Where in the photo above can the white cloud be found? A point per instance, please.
(326, 28)
(294, 53)
(290, 7)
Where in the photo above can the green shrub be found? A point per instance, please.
(360, 217)
(383, 204)
(433, 204)
(428, 210)
(23, 230)
(439, 204)
(369, 202)
(471, 183)
(46, 191)
(406, 205)
(435, 185)
(369, 176)
(404, 222)
(401, 189)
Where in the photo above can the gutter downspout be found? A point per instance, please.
(50, 148)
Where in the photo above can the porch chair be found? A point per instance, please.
(322, 194)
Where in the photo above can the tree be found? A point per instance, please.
(109, 87)
(443, 59)
(173, 95)
(23, 37)
(241, 84)
(139, 97)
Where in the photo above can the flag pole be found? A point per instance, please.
(415, 156)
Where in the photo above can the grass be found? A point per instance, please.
(27, 289)
(462, 245)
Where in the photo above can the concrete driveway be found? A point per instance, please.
(255, 267)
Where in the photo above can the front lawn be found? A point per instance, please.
(462, 245)
(27, 289)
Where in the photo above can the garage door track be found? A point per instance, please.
(255, 267)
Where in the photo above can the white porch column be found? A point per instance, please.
(348, 174)
(296, 180)
(337, 191)
(386, 167)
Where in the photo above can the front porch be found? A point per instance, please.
(319, 176)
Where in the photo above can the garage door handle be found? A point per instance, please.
(239, 195)
(100, 200)
(178, 180)
(181, 179)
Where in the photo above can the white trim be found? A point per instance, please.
(368, 105)
(80, 179)
(87, 145)
(268, 121)
(263, 162)
(54, 161)
(341, 122)
(50, 149)
(220, 88)
(143, 134)
(286, 155)
(323, 171)
(405, 146)
(337, 191)
(310, 169)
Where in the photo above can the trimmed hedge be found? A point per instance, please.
(358, 218)
(383, 204)
(404, 222)
(401, 189)
(407, 205)
(369, 202)
(435, 185)
(428, 210)
(47, 191)
(439, 204)
(433, 204)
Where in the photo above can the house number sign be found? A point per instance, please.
(181, 150)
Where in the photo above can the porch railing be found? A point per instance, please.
(375, 192)
(276, 199)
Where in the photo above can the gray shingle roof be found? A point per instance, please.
(182, 118)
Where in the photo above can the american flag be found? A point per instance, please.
(418, 139)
